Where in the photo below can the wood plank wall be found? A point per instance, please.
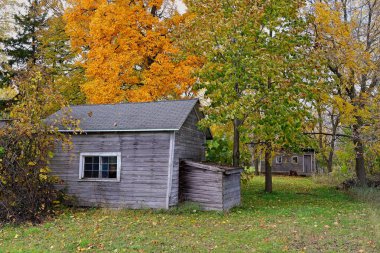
(201, 186)
(231, 191)
(189, 144)
(144, 169)
(212, 190)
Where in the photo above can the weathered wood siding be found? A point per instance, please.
(189, 144)
(231, 191)
(144, 170)
(211, 188)
(202, 187)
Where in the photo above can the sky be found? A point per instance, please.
(181, 7)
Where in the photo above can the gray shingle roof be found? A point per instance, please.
(4, 122)
(151, 116)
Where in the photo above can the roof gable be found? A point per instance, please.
(133, 117)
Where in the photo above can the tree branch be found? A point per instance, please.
(328, 134)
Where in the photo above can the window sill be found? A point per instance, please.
(99, 180)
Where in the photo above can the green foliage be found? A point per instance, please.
(333, 179)
(257, 67)
(219, 150)
(300, 216)
(58, 58)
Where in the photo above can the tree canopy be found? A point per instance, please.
(127, 50)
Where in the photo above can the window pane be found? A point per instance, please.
(91, 167)
(88, 159)
(95, 174)
(87, 167)
(88, 173)
(112, 159)
(104, 169)
(109, 167)
(112, 170)
(105, 159)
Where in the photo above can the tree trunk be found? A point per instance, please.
(254, 159)
(359, 158)
(330, 160)
(236, 149)
(335, 124)
(268, 168)
(257, 161)
(320, 128)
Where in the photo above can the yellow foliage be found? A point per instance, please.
(8, 93)
(127, 51)
(347, 57)
(340, 46)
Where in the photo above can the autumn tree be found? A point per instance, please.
(326, 130)
(257, 73)
(27, 192)
(127, 50)
(348, 39)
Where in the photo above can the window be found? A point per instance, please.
(100, 166)
(278, 159)
(295, 159)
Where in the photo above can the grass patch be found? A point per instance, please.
(300, 215)
(368, 194)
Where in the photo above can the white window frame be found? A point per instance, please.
(293, 160)
(81, 166)
(279, 159)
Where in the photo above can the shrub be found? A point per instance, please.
(334, 178)
(27, 190)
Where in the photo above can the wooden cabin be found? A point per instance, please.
(302, 164)
(128, 155)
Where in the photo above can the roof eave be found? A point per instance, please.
(118, 130)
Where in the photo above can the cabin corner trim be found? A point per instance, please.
(170, 168)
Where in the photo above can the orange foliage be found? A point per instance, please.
(127, 50)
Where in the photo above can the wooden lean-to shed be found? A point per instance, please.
(213, 187)
(127, 155)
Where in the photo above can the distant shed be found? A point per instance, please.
(285, 163)
(213, 187)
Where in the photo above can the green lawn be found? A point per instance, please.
(300, 216)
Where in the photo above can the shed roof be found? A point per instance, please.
(213, 167)
(132, 117)
(4, 122)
